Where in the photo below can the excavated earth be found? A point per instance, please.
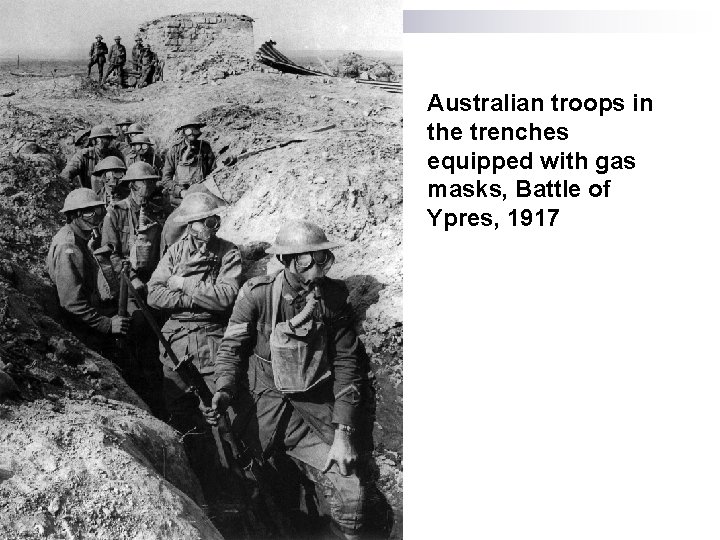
(80, 455)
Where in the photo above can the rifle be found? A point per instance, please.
(234, 455)
(120, 341)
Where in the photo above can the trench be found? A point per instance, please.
(306, 172)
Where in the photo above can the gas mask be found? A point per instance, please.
(142, 190)
(91, 218)
(204, 230)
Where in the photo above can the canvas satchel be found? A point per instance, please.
(298, 353)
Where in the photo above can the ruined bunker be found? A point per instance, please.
(198, 45)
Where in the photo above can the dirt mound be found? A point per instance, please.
(98, 469)
(353, 65)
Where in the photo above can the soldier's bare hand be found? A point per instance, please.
(138, 285)
(220, 403)
(119, 325)
(175, 283)
(342, 452)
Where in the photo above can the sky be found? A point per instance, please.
(66, 29)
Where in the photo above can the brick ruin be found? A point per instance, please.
(201, 45)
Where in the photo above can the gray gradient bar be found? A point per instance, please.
(548, 21)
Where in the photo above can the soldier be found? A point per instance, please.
(122, 142)
(147, 65)
(106, 180)
(83, 163)
(142, 149)
(117, 61)
(187, 162)
(137, 51)
(132, 229)
(172, 230)
(195, 283)
(291, 342)
(84, 291)
(98, 50)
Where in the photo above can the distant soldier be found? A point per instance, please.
(106, 180)
(195, 284)
(122, 142)
(132, 228)
(74, 265)
(137, 51)
(187, 162)
(98, 50)
(147, 65)
(142, 149)
(83, 163)
(116, 60)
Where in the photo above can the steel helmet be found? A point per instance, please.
(134, 129)
(141, 138)
(140, 171)
(126, 121)
(197, 206)
(116, 37)
(110, 163)
(300, 236)
(98, 132)
(191, 121)
(81, 198)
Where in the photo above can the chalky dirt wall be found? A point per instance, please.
(200, 45)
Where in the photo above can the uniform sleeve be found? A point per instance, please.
(220, 295)
(74, 297)
(168, 171)
(237, 343)
(345, 349)
(73, 168)
(159, 295)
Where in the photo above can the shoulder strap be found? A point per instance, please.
(276, 296)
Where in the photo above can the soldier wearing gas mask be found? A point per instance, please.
(79, 268)
(195, 286)
(291, 342)
(132, 230)
(106, 180)
(187, 162)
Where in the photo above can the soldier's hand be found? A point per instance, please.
(175, 283)
(138, 285)
(341, 452)
(220, 403)
(119, 325)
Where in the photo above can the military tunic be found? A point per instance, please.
(137, 51)
(120, 230)
(183, 169)
(83, 164)
(117, 55)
